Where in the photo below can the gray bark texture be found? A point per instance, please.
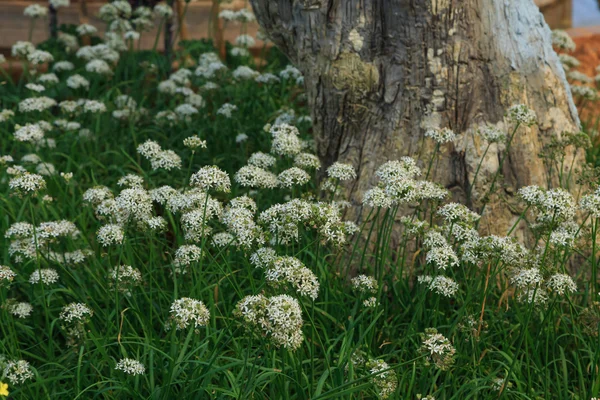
(379, 73)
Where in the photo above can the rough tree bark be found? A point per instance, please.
(378, 73)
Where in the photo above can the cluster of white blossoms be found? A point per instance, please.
(291, 271)
(553, 207)
(76, 312)
(365, 284)
(441, 135)
(437, 349)
(124, 277)
(25, 183)
(18, 309)
(383, 377)
(522, 115)
(7, 275)
(440, 284)
(16, 372)
(283, 221)
(440, 253)
(398, 184)
(241, 15)
(35, 11)
(239, 217)
(211, 178)
(278, 317)
(46, 276)
(562, 40)
(187, 312)
(130, 366)
(159, 158)
(341, 171)
(29, 242)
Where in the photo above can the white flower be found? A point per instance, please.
(61, 66)
(242, 137)
(29, 133)
(245, 41)
(186, 110)
(292, 271)
(441, 136)
(293, 176)
(307, 161)
(17, 372)
(78, 312)
(163, 10)
(437, 349)
(526, 277)
(377, 197)
(130, 366)
(49, 78)
(227, 110)
(35, 11)
(38, 57)
(211, 178)
(252, 176)
(27, 183)
(279, 317)
(522, 114)
(186, 311)
(262, 160)
(365, 284)
(341, 171)
(443, 285)
(243, 72)
(7, 275)
(46, 276)
(35, 87)
(561, 284)
(20, 310)
(22, 48)
(187, 254)
(110, 234)
(100, 67)
(36, 104)
(77, 81)
(562, 40)
(492, 134)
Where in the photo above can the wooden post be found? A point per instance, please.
(558, 13)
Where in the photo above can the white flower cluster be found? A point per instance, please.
(437, 349)
(46, 276)
(523, 115)
(124, 277)
(241, 15)
(7, 275)
(239, 220)
(17, 372)
(365, 284)
(553, 206)
(278, 317)
(159, 158)
(383, 377)
(76, 312)
(291, 271)
(441, 135)
(211, 178)
(186, 311)
(130, 366)
(562, 40)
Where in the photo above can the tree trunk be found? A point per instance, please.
(379, 73)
